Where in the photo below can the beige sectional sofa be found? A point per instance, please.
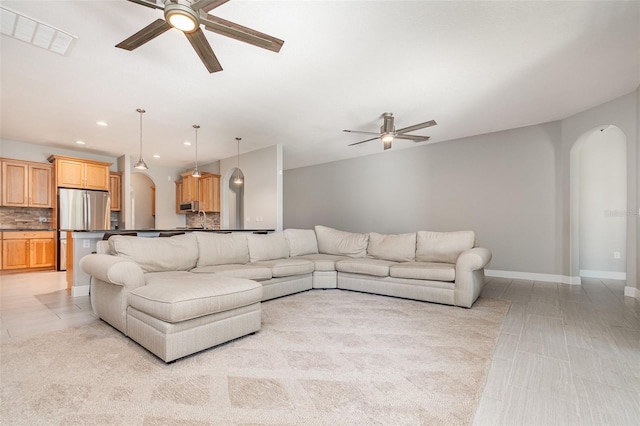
(179, 295)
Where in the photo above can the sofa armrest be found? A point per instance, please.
(470, 275)
(113, 270)
(473, 259)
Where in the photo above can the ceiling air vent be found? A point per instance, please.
(34, 32)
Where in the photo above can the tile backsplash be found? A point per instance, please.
(213, 220)
(25, 218)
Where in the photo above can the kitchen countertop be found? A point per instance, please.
(25, 229)
(120, 231)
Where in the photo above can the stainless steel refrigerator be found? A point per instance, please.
(81, 210)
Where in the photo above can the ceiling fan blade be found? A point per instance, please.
(368, 140)
(207, 5)
(150, 4)
(364, 133)
(146, 34)
(417, 126)
(413, 138)
(204, 50)
(240, 33)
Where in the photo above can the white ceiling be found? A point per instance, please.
(474, 67)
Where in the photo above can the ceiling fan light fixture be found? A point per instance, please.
(387, 138)
(387, 144)
(182, 19)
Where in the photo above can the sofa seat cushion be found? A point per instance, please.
(432, 271)
(366, 266)
(173, 299)
(324, 262)
(250, 272)
(287, 267)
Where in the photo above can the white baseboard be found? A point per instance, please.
(531, 276)
(603, 274)
(79, 290)
(632, 292)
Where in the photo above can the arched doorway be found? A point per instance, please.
(598, 188)
(143, 201)
(235, 200)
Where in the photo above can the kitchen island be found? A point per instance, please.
(82, 243)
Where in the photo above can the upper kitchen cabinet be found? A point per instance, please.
(115, 190)
(205, 190)
(209, 193)
(26, 184)
(189, 188)
(79, 173)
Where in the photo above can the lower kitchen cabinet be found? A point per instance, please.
(28, 250)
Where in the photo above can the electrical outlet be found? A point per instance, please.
(616, 255)
(85, 243)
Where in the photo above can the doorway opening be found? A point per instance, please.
(235, 205)
(598, 214)
(143, 202)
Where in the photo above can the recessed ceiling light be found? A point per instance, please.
(80, 142)
(156, 156)
(102, 123)
(187, 143)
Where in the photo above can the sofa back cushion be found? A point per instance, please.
(179, 253)
(443, 246)
(221, 249)
(333, 241)
(395, 247)
(267, 247)
(301, 241)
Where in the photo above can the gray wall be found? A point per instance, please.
(512, 188)
(501, 185)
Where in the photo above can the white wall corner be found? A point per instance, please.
(531, 276)
(632, 292)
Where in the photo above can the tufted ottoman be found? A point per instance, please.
(178, 314)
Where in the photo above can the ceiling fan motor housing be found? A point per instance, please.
(181, 8)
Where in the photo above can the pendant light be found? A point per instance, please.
(141, 165)
(238, 180)
(196, 172)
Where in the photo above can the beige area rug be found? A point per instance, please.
(322, 358)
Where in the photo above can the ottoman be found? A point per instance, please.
(174, 315)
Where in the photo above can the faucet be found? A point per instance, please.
(203, 219)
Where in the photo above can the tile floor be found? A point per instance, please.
(566, 354)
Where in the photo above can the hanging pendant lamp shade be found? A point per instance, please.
(238, 180)
(196, 172)
(141, 165)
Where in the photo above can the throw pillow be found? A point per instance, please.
(222, 249)
(179, 253)
(267, 247)
(301, 241)
(443, 246)
(334, 241)
(394, 247)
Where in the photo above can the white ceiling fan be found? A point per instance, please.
(388, 131)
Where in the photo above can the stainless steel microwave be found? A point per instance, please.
(191, 206)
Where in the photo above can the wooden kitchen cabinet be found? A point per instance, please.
(179, 196)
(28, 250)
(205, 190)
(189, 188)
(26, 184)
(209, 193)
(79, 173)
(115, 190)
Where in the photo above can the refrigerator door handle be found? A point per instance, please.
(87, 210)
